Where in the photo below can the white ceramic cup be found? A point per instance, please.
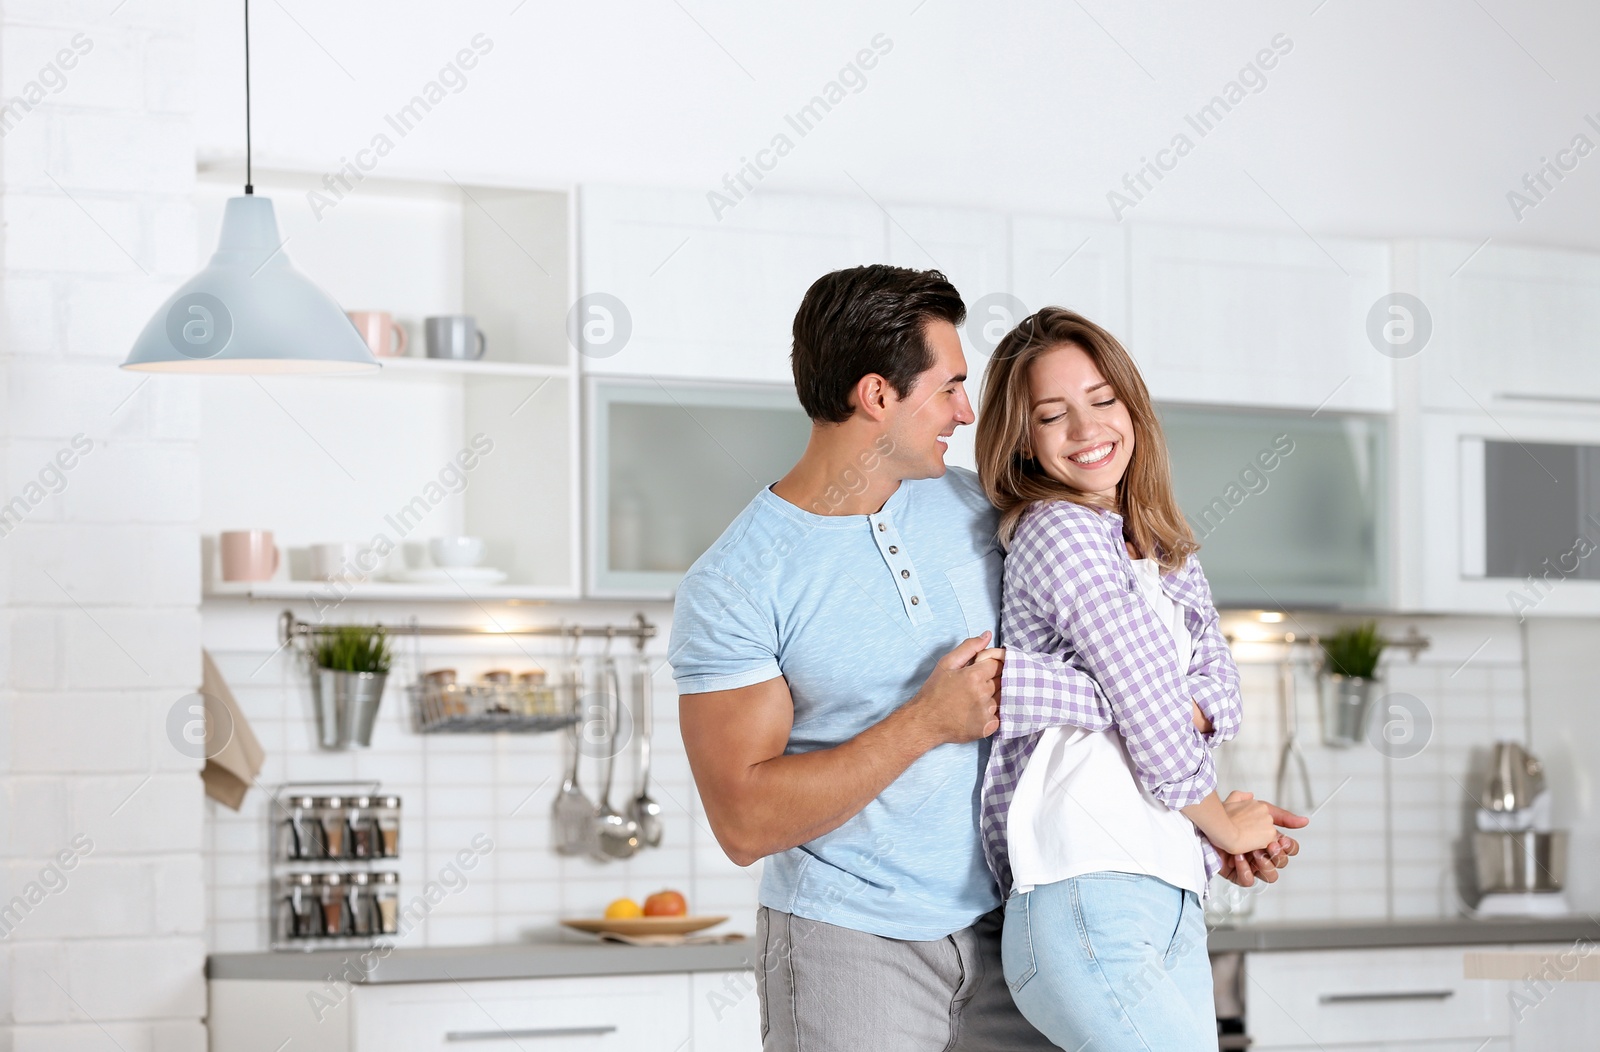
(456, 552)
(332, 561)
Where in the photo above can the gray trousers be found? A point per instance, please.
(824, 988)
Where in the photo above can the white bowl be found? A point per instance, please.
(456, 551)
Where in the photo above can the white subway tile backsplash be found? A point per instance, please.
(456, 788)
(1385, 839)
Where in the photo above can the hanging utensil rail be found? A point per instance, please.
(1413, 641)
(641, 630)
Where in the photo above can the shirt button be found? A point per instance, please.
(913, 600)
(880, 527)
(905, 573)
(893, 550)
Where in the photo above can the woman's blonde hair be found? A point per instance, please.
(1013, 481)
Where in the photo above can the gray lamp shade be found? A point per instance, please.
(249, 311)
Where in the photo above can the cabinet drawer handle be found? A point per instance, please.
(1398, 995)
(541, 1031)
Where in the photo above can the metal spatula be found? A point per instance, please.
(617, 834)
(642, 808)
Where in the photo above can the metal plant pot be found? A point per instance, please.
(347, 705)
(1346, 704)
(364, 692)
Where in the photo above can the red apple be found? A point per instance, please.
(666, 904)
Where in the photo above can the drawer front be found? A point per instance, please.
(635, 1013)
(1323, 998)
(1461, 1044)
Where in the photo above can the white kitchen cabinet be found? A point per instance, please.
(628, 1013)
(725, 1012)
(1512, 326)
(665, 1012)
(1554, 1015)
(1073, 263)
(707, 293)
(1252, 319)
(969, 246)
(1409, 999)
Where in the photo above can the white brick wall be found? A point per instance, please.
(99, 584)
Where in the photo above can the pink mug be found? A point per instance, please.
(383, 337)
(248, 555)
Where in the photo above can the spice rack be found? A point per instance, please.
(328, 844)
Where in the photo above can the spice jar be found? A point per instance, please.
(538, 699)
(302, 830)
(330, 811)
(358, 903)
(363, 828)
(301, 915)
(385, 892)
(334, 916)
(386, 812)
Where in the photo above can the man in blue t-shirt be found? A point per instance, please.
(832, 653)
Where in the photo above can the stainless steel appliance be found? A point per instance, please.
(1520, 862)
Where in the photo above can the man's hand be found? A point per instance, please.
(1244, 869)
(959, 701)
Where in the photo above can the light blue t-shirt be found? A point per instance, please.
(854, 611)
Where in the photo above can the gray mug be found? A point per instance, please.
(454, 336)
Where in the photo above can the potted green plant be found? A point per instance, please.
(1349, 671)
(352, 666)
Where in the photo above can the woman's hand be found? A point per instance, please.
(1237, 826)
(1253, 828)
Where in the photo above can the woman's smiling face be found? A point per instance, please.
(1079, 430)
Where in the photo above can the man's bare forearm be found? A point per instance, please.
(788, 800)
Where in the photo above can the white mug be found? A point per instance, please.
(456, 552)
(332, 561)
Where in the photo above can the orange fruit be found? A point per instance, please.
(622, 909)
(666, 904)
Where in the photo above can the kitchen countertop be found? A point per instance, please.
(541, 960)
(531, 960)
(1373, 935)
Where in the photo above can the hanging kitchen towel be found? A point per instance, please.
(234, 755)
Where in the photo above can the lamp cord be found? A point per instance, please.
(248, 173)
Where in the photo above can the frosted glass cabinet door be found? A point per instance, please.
(671, 465)
(1289, 509)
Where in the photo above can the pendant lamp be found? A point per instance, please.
(249, 311)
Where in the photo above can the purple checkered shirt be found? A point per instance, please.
(1084, 649)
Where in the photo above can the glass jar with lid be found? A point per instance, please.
(360, 910)
(386, 812)
(361, 819)
(538, 699)
(385, 892)
(330, 812)
(335, 915)
(300, 833)
(300, 912)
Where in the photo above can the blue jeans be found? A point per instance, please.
(1118, 959)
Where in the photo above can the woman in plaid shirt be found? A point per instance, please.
(1103, 832)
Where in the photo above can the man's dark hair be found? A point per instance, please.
(866, 320)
